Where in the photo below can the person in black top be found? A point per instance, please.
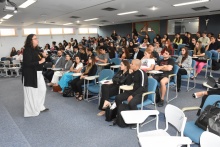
(13, 52)
(77, 83)
(32, 78)
(140, 80)
(138, 54)
(165, 65)
(114, 35)
(111, 88)
(111, 50)
(213, 47)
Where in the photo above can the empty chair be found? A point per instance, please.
(4, 65)
(209, 139)
(16, 67)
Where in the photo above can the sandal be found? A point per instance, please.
(101, 113)
(80, 98)
(77, 94)
(61, 92)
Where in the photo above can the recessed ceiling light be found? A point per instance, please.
(27, 3)
(125, 13)
(91, 19)
(190, 3)
(7, 16)
(77, 21)
(67, 23)
(15, 11)
(153, 8)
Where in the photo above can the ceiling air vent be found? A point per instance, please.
(141, 15)
(200, 8)
(74, 17)
(109, 9)
(163, 16)
(52, 22)
(215, 11)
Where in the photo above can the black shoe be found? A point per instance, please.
(178, 90)
(161, 103)
(46, 109)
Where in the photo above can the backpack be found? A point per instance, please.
(215, 65)
(119, 120)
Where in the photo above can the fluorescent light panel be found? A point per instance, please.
(67, 23)
(125, 13)
(27, 3)
(91, 19)
(190, 3)
(7, 16)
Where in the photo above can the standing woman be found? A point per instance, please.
(32, 78)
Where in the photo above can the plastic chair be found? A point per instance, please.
(190, 125)
(105, 74)
(16, 67)
(179, 48)
(209, 139)
(174, 116)
(192, 73)
(4, 66)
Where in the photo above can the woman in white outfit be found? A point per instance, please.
(147, 62)
(59, 74)
(33, 80)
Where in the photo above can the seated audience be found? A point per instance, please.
(177, 40)
(58, 74)
(168, 46)
(130, 47)
(154, 52)
(76, 67)
(77, 83)
(145, 43)
(60, 63)
(157, 48)
(112, 88)
(112, 50)
(165, 65)
(137, 53)
(199, 51)
(69, 47)
(204, 39)
(19, 56)
(101, 58)
(192, 44)
(140, 80)
(125, 54)
(213, 47)
(83, 56)
(184, 61)
(13, 52)
(147, 62)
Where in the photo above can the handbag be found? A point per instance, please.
(56, 88)
(211, 82)
(204, 58)
(110, 114)
(209, 112)
(214, 124)
(68, 92)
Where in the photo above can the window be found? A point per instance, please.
(28, 31)
(56, 31)
(83, 31)
(183, 25)
(93, 30)
(43, 31)
(68, 31)
(7, 32)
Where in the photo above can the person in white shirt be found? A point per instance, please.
(147, 62)
(204, 39)
(69, 47)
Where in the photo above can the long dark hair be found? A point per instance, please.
(126, 63)
(186, 54)
(28, 42)
(126, 51)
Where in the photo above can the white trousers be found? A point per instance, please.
(34, 98)
(56, 77)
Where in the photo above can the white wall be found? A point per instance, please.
(6, 43)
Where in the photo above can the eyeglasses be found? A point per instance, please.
(35, 39)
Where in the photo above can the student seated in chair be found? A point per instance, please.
(111, 88)
(140, 81)
(165, 65)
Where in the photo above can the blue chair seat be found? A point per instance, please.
(193, 131)
(94, 88)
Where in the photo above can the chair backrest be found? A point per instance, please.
(210, 101)
(209, 139)
(152, 85)
(106, 74)
(193, 66)
(3, 58)
(209, 55)
(179, 47)
(175, 71)
(116, 61)
(175, 117)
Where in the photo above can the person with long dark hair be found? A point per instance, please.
(32, 78)
(184, 61)
(13, 52)
(111, 88)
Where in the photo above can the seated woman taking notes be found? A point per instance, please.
(147, 62)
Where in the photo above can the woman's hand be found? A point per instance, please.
(42, 60)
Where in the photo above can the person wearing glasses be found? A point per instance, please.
(32, 78)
